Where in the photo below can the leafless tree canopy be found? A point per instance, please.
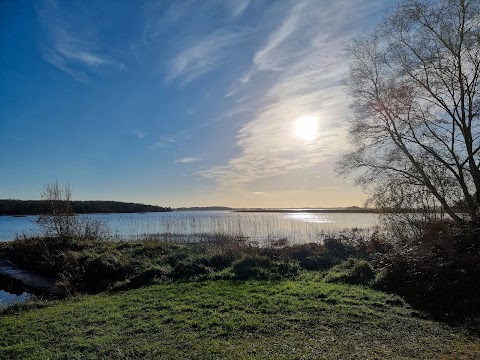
(60, 220)
(58, 217)
(414, 86)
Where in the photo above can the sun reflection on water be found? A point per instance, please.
(310, 218)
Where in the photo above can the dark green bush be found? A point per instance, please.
(352, 271)
(92, 272)
(313, 256)
(438, 271)
(261, 267)
(295, 252)
(191, 269)
(374, 248)
(319, 262)
(339, 247)
(175, 258)
(103, 271)
(222, 259)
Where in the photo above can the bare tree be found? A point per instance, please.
(414, 86)
(58, 218)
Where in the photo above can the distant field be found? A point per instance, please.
(302, 319)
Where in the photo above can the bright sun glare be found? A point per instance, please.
(306, 128)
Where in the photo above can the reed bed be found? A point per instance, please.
(257, 228)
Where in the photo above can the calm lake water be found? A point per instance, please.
(296, 227)
(7, 299)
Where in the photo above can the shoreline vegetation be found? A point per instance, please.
(222, 297)
(428, 273)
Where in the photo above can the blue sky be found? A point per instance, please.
(178, 103)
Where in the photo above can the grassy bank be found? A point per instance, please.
(438, 272)
(92, 266)
(306, 318)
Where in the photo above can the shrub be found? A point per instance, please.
(92, 272)
(298, 252)
(149, 276)
(191, 269)
(339, 247)
(438, 271)
(319, 262)
(309, 256)
(352, 271)
(222, 259)
(374, 248)
(261, 267)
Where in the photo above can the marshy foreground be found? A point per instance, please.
(225, 298)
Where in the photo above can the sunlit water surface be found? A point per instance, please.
(295, 227)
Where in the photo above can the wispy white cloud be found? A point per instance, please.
(139, 134)
(201, 56)
(267, 58)
(67, 51)
(60, 63)
(163, 142)
(204, 33)
(240, 82)
(159, 16)
(187, 160)
(228, 114)
(237, 7)
(298, 70)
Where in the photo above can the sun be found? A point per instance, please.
(306, 127)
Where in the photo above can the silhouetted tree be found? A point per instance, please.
(58, 218)
(414, 86)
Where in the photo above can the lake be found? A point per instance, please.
(296, 227)
(8, 299)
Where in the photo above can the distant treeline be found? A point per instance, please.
(35, 207)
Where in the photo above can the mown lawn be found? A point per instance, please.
(286, 319)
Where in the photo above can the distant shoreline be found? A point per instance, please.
(368, 211)
(18, 208)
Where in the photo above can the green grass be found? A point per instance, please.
(295, 319)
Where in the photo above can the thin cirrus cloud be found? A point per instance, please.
(160, 17)
(163, 142)
(187, 160)
(139, 134)
(298, 69)
(194, 56)
(266, 58)
(201, 56)
(237, 7)
(78, 57)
